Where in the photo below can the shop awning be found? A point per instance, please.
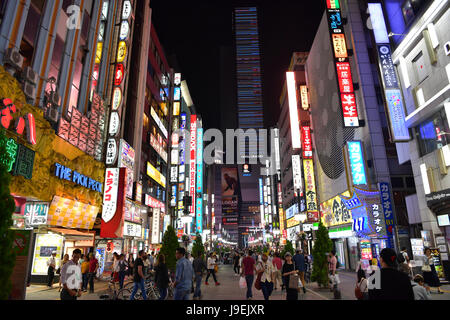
(72, 234)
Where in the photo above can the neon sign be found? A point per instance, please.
(24, 123)
(68, 174)
(357, 166)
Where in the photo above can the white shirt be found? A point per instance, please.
(71, 275)
(211, 263)
(51, 261)
(363, 285)
(268, 270)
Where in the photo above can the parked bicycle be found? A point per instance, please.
(115, 293)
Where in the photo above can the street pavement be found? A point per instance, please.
(229, 289)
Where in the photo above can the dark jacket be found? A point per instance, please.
(299, 260)
(162, 276)
(199, 265)
(395, 285)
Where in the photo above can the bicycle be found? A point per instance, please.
(114, 294)
(151, 290)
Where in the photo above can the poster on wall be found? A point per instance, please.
(230, 184)
(44, 246)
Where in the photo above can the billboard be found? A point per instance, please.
(310, 191)
(230, 182)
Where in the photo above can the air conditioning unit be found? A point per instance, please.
(52, 114)
(54, 98)
(30, 92)
(29, 75)
(13, 58)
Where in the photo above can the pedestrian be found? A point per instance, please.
(393, 284)
(93, 267)
(190, 258)
(199, 266)
(65, 260)
(183, 276)
(248, 271)
(138, 276)
(122, 269)
(267, 278)
(236, 259)
(362, 288)
(151, 259)
(332, 262)
(51, 264)
(71, 278)
(404, 261)
(287, 270)
(130, 265)
(421, 291)
(278, 264)
(299, 260)
(429, 271)
(146, 262)
(85, 273)
(162, 276)
(212, 263)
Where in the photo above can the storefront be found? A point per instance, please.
(57, 188)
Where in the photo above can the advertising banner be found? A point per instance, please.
(310, 191)
(230, 182)
(126, 160)
(21, 246)
(69, 213)
(155, 225)
(334, 212)
(357, 163)
(193, 170)
(386, 203)
(113, 226)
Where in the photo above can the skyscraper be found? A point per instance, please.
(248, 74)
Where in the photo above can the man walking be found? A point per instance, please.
(277, 264)
(248, 271)
(93, 267)
(199, 266)
(299, 260)
(404, 261)
(236, 259)
(183, 276)
(71, 278)
(139, 276)
(51, 263)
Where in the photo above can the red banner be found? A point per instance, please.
(307, 143)
(114, 227)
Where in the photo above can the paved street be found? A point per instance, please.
(229, 289)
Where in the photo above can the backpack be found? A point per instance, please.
(401, 257)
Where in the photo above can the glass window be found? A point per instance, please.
(433, 133)
(56, 60)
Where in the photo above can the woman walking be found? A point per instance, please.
(429, 271)
(162, 276)
(362, 288)
(85, 273)
(288, 270)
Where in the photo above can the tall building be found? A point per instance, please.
(420, 50)
(354, 156)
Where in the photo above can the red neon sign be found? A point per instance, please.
(345, 77)
(307, 143)
(27, 122)
(349, 109)
(119, 74)
(193, 161)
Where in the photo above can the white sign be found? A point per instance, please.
(155, 226)
(111, 151)
(177, 79)
(132, 229)
(174, 174)
(127, 9)
(124, 30)
(158, 121)
(114, 123)
(296, 172)
(117, 98)
(110, 193)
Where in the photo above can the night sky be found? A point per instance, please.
(195, 30)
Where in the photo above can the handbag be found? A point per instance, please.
(293, 281)
(358, 293)
(242, 283)
(216, 268)
(258, 281)
(426, 266)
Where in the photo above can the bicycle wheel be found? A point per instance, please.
(124, 294)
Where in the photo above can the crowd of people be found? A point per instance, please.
(388, 278)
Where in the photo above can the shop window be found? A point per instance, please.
(56, 60)
(31, 30)
(433, 133)
(412, 8)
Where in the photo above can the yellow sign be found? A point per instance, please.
(176, 108)
(282, 217)
(340, 48)
(310, 185)
(156, 175)
(292, 223)
(98, 54)
(45, 245)
(304, 97)
(121, 51)
(334, 212)
(68, 213)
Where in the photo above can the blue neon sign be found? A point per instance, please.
(68, 174)
(200, 180)
(357, 162)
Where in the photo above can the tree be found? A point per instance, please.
(170, 245)
(197, 247)
(288, 248)
(7, 207)
(322, 246)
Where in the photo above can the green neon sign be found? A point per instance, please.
(11, 152)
